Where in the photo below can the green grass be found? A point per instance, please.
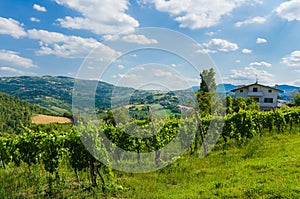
(267, 167)
(263, 168)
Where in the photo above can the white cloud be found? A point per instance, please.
(12, 58)
(111, 37)
(11, 27)
(261, 40)
(121, 67)
(248, 75)
(292, 59)
(206, 51)
(220, 45)
(39, 8)
(131, 38)
(162, 73)
(140, 68)
(196, 14)
(100, 17)
(238, 61)
(68, 46)
(12, 70)
(289, 10)
(293, 83)
(139, 39)
(260, 64)
(128, 76)
(257, 20)
(173, 65)
(210, 33)
(33, 19)
(246, 51)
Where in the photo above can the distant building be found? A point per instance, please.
(265, 95)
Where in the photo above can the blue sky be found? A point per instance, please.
(244, 38)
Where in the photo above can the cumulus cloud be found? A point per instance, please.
(222, 45)
(39, 8)
(210, 33)
(261, 40)
(292, 59)
(289, 10)
(131, 38)
(257, 20)
(53, 43)
(293, 83)
(121, 66)
(11, 58)
(11, 27)
(248, 75)
(33, 19)
(195, 14)
(246, 51)
(128, 76)
(162, 73)
(139, 39)
(110, 37)
(260, 64)
(206, 51)
(12, 70)
(100, 17)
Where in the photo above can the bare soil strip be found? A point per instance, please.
(45, 119)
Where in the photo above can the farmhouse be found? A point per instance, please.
(265, 95)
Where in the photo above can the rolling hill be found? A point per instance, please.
(54, 93)
(16, 113)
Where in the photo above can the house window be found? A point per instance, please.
(254, 89)
(270, 91)
(241, 91)
(268, 100)
(256, 99)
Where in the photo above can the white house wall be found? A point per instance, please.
(262, 93)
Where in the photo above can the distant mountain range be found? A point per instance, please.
(221, 88)
(288, 94)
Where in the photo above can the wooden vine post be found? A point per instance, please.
(201, 130)
(157, 152)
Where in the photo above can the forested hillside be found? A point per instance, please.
(15, 113)
(55, 93)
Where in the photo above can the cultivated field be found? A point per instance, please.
(45, 119)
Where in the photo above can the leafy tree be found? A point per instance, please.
(207, 93)
(252, 105)
(208, 83)
(15, 114)
(297, 99)
(239, 104)
(229, 102)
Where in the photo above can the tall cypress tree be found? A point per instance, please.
(207, 93)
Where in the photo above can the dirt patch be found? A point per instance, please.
(45, 119)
